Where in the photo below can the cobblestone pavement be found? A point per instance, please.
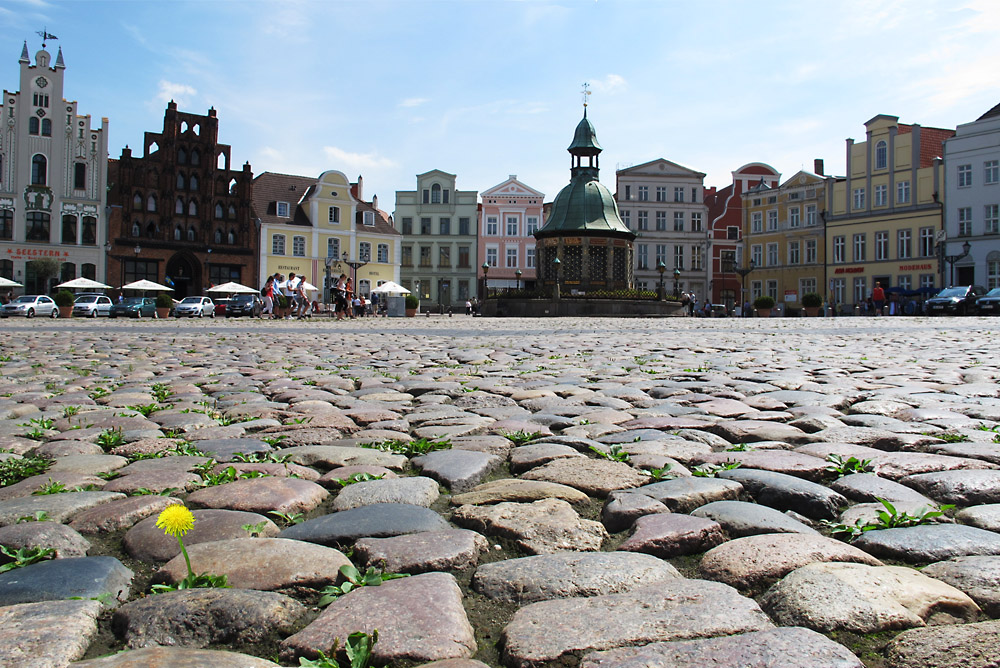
(593, 492)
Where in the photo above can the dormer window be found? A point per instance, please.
(435, 194)
(282, 210)
(369, 218)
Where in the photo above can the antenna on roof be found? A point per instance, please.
(45, 35)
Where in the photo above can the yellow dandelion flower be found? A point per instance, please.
(175, 520)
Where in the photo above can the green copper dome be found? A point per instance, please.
(585, 205)
(585, 137)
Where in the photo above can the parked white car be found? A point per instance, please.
(195, 307)
(92, 306)
(29, 306)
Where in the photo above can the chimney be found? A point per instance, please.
(818, 166)
(361, 188)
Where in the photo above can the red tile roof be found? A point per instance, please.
(931, 142)
(270, 188)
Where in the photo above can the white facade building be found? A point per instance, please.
(664, 204)
(972, 202)
(53, 177)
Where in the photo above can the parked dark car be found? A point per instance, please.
(135, 307)
(250, 305)
(957, 300)
(989, 304)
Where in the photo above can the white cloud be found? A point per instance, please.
(182, 94)
(413, 101)
(349, 162)
(610, 84)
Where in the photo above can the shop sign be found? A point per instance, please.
(916, 267)
(15, 253)
(849, 270)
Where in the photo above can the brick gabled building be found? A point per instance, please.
(180, 214)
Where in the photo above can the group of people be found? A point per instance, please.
(347, 304)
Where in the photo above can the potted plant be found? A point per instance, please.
(163, 305)
(64, 300)
(811, 303)
(281, 304)
(764, 304)
(412, 303)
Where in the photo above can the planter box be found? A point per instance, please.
(65, 311)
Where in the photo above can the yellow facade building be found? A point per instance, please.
(885, 216)
(783, 243)
(308, 225)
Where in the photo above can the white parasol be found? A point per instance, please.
(83, 284)
(144, 285)
(390, 287)
(233, 288)
(7, 283)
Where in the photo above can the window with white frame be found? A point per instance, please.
(444, 226)
(661, 221)
(661, 254)
(299, 246)
(643, 220)
(811, 215)
(532, 226)
(993, 270)
(926, 242)
(927, 280)
(696, 258)
(991, 172)
(881, 195)
(642, 257)
(991, 219)
(860, 289)
(794, 252)
(793, 217)
(364, 286)
(756, 222)
(964, 176)
(772, 255)
(859, 198)
(904, 244)
(333, 247)
(529, 257)
(965, 221)
(881, 245)
(903, 192)
(679, 194)
(368, 218)
(860, 247)
(772, 220)
(811, 251)
(383, 253)
(628, 192)
(678, 221)
(491, 256)
(492, 226)
(904, 282)
(696, 221)
(840, 249)
(678, 257)
(278, 244)
(661, 193)
(756, 289)
(643, 193)
(512, 225)
(881, 155)
(806, 286)
(757, 255)
(772, 289)
(333, 215)
(839, 290)
(627, 218)
(511, 257)
(282, 210)
(365, 251)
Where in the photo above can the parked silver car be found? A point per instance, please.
(92, 306)
(195, 307)
(29, 306)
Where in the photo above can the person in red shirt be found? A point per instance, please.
(878, 298)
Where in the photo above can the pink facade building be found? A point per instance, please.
(509, 215)
(725, 215)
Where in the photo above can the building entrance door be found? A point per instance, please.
(180, 275)
(444, 293)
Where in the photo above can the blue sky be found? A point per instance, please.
(485, 88)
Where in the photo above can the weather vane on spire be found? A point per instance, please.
(586, 92)
(45, 35)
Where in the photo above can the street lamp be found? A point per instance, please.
(952, 259)
(354, 265)
(743, 271)
(486, 279)
(208, 267)
(557, 263)
(327, 287)
(517, 275)
(661, 267)
(677, 276)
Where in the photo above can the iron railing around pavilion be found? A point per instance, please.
(546, 293)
